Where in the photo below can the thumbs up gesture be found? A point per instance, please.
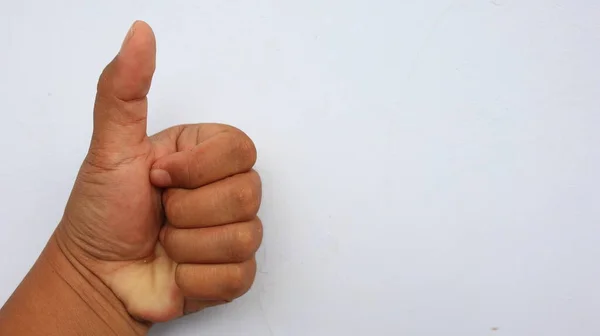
(168, 222)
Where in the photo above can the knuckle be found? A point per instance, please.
(245, 149)
(192, 169)
(101, 160)
(246, 242)
(239, 281)
(258, 227)
(246, 200)
(101, 157)
(248, 196)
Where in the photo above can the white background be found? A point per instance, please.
(429, 167)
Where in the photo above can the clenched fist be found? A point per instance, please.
(168, 222)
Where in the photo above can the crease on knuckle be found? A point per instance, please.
(237, 282)
(247, 198)
(193, 168)
(99, 161)
(245, 150)
(245, 244)
(103, 159)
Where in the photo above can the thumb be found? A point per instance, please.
(121, 107)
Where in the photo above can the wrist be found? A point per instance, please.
(60, 297)
(109, 311)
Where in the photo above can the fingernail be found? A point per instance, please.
(128, 36)
(160, 178)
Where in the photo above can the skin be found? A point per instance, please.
(155, 227)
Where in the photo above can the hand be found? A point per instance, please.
(199, 250)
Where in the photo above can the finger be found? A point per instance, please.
(231, 243)
(225, 154)
(121, 106)
(185, 137)
(223, 282)
(234, 199)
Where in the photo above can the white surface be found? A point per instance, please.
(429, 167)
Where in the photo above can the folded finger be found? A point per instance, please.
(225, 154)
(229, 243)
(234, 199)
(223, 282)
